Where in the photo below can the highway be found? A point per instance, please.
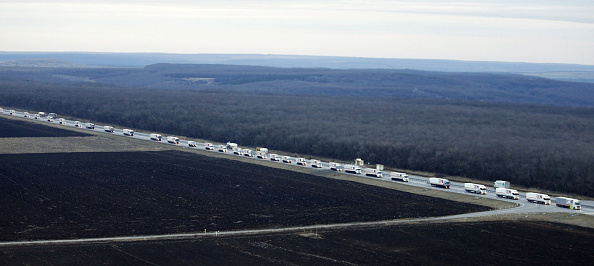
(456, 187)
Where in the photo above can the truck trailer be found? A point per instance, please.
(475, 188)
(374, 173)
(352, 169)
(507, 193)
(316, 164)
(108, 129)
(274, 157)
(564, 202)
(501, 183)
(439, 182)
(128, 132)
(336, 167)
(538, 198)
(399, 176)
(173, 140)
(156, 137)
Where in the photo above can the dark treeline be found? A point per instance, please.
(375, 83)
(536, 146)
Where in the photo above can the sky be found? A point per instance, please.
(536, 31)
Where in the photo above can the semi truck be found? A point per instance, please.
(507, 193)
(128, 132)
(475, 188)
(316, 164)
(439, 182)
(301, 161)
(192, 143)
(538, 198)
(90, 126)
(374, 173)
(501, 183)
(399, 177)
(108, 129)
(156, 137)
(173, 140)
(352, 169)
(564, 202)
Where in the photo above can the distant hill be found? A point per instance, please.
(381, 83)
(43, 62)
(297, 61)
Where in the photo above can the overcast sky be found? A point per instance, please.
(540, 31)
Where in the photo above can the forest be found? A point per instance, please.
(376, 83)
(539, 146)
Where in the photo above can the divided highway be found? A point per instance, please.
(523, 204)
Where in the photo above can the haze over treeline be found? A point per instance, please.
(475, 125)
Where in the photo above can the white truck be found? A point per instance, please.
(399, 177)
(316, 164)
(475, 188)
(501, 183)
(90, 126)
(231, 146)
(538, 198)
(262, 150)
(507, 193)
(156, 137)
(173, 140)
(287, 159)
(191, 143)
(76, 123)
(336, 167)
(301, 161)
(352, 169)
(128, 132)
(222, 148)
(209, 146)
(564, 202)
(439, 182)
(274, 157)
(108, 129)
(248, 153)
(374, 173)
(262, 155)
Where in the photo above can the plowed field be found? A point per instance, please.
(79, 195)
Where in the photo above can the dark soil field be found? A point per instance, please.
(481, 243)
(10, 128)
(79, 195)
